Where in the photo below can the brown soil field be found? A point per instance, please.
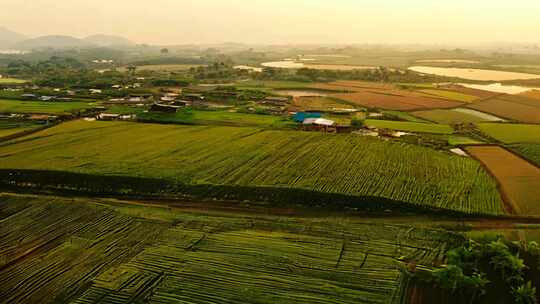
(396, 100)
(353, 86)
(519, 180)
(532, 94)
(522, 110)
(523, 100)
(318, 104)
(469, 91)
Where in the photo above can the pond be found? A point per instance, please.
(247, 67)
(448, 61)
(473, 74)
(289, 64)
(302, 93)
(498, 88)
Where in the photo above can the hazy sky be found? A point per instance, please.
(280, 21)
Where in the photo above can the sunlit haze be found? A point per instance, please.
(279, 21)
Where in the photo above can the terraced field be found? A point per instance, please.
(193, 155)
(57, 250)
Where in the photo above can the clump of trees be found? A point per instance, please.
(489, 269)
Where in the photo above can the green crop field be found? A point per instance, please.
(56, 250)
(448, 116)
(9, 126)
(404, 116)
(11, 81)
(253, 157)
(218, 118)
(455, 140)
(512, 133)
(410, 126)
(529, 151)
(18, 106)
(456, 96)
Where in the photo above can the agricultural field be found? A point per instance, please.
(345, 164)
(448, 116)
(41, 107)
(519, 180)
(529, 151)
(11, 81)
(512, 107)
(409, 126)
(323, 104)
(395, 100)
(532, 94)
(163, 67)
(56, 250)
(480, 94)
(450, 95)
(10, 127)
(512, 133)
(404, 116)
(225, 118)
(456, 140)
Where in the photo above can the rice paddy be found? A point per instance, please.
(56, 250)
(410, 126)
(18, 106)
(519, 180)
(250, 157)
(512, 133)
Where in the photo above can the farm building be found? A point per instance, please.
(167, 99)
(165, 108)
(28, 96)
(110, 117)
(47, 98)
(319, 124)
(301, 116)
(105, 116)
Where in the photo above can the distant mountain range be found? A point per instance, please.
(12, 40)
(8, 37)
